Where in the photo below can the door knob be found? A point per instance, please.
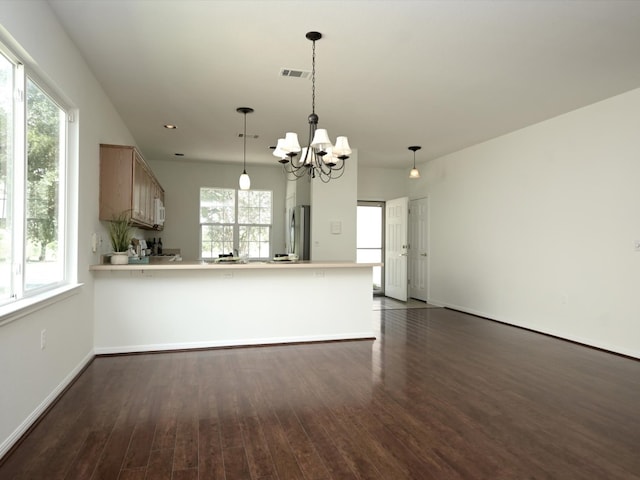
(403, 254)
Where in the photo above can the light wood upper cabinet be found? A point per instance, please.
(128, 184)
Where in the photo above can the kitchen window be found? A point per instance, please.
(236, 222)
(33, 159)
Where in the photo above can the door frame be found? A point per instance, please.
(382, 205)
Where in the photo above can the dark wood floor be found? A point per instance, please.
(440, 395)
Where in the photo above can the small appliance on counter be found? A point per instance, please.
(139, 260)
(144, 250)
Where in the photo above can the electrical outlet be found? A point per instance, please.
(43, 339)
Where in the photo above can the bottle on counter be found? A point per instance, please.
(154, 247)
(159, 246)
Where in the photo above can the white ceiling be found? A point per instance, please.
(441, 74)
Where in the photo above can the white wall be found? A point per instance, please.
(31, 377)
(537, 228)
(334, 204)
(182, 181)
(299, 189)
(375, 183)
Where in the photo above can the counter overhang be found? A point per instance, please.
(200, 265)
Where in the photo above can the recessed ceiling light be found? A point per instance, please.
(170, 126)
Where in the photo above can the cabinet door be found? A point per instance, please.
(148, 199)
(136, 207)
(127, 185)
(141, 193)
(116, 174)
(158, 193)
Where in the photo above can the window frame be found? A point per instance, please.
(21, 298)
(62, 206)
(236, 225)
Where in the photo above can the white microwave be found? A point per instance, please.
(159, 212)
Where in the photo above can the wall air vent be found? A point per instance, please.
(288, 72)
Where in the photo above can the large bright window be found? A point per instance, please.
(236, 222)
(33, 140)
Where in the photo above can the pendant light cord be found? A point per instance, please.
(244, 153)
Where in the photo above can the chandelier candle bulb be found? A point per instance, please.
(291, 144)
(330, 158)
(279, 150)
(321, 139)
(342, 148)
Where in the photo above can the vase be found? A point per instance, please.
(119, 258)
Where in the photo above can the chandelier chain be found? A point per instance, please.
(313, 78)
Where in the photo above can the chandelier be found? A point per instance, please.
(320, 158)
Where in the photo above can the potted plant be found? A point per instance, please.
(120, 235)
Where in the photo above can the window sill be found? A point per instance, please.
(26, 306)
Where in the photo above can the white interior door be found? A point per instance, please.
(395, 259)
(418, 249)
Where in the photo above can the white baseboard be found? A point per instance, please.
(554, 333)
(6, 445)
(230, 343)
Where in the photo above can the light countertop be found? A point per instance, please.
(199, 265)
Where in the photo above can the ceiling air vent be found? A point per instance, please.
(288, 72)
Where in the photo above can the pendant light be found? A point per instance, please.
(244, 181)
(320, 157)
(414, 171)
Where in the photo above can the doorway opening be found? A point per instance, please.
(370, 239)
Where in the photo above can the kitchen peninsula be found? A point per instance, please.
(185, 305)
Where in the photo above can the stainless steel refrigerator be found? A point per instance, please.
(300, 231)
